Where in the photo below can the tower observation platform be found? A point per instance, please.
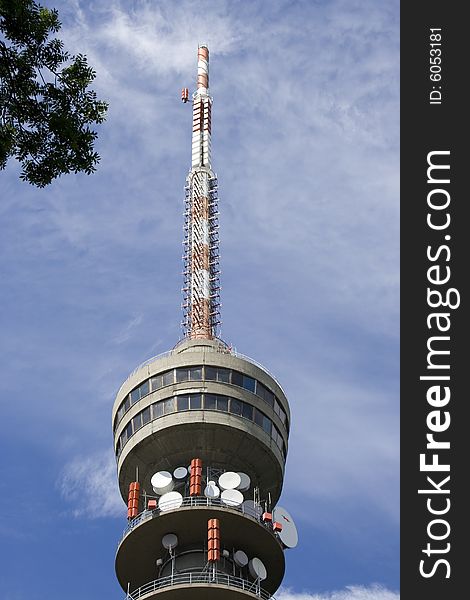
(201, 435)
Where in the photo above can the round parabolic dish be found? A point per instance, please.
(169, 541)
(257, 569)
(240, 558)
(229, 480)
(231, 497)
(162, 482)
(288, 536)
(211, 490)
(170, 501)
(180, 473)
(252, 508)
(245, 482)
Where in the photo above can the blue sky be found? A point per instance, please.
(305, 144)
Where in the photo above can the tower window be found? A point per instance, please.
(182, 402)
(146, 415)
(195, 401)
(169, 405)
(195, 373)
(235, 406)
(249, 383)
(237, 378)
(247, 411)
(168, 378)
(264, 393)
(222, 403)
(157, 410)
(210, 401)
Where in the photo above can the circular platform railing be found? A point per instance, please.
(201, 577)
(194, 501)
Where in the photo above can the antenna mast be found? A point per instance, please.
(201, 289)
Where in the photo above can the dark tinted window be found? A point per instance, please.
(195, 373)
(235, 406)
(146, 415)
(264, 393)
(210, 401)
(182, 374)
(247, 411)
(210, 373)
(167, 378)
(169, 405)
(258, 417)
(156, 382)
(128, 430)
(249, 383)
(137, 422)
(281, 412)
(135, 395)
(120, 412)
(183, 402)
(127, 404)
(237, 378)
(195, 401)
(157, 410)
(144, 389)
(222, 403)
(267, 424)
(223, 375)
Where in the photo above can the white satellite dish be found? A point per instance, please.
(240, 558)
(245, 482)
(211, 490)
(288, 535)
(251, 508)
(170, 501)
(162, 482)
(229, 480)
(180, 473)
(169, 541)
(231, 497)
(257, 569)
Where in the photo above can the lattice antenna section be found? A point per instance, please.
(201, 288)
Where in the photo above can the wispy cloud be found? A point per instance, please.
(375, 592)
(126, 331)
(89, 483)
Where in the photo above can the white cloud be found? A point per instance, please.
(127, 331)
(375, 592)
(90, 484)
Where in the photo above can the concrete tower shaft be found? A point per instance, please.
(201, 435)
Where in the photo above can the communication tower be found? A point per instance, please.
(201, 434)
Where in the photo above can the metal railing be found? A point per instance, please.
(191, 501)
(201, 577)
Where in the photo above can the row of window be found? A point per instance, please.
(198, 402)
(199, 373)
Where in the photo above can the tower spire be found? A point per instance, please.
(201, 306)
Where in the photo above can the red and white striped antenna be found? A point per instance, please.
(201, 289)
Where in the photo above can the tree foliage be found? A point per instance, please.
(46, 108)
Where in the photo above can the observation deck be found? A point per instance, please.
(201, 399)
